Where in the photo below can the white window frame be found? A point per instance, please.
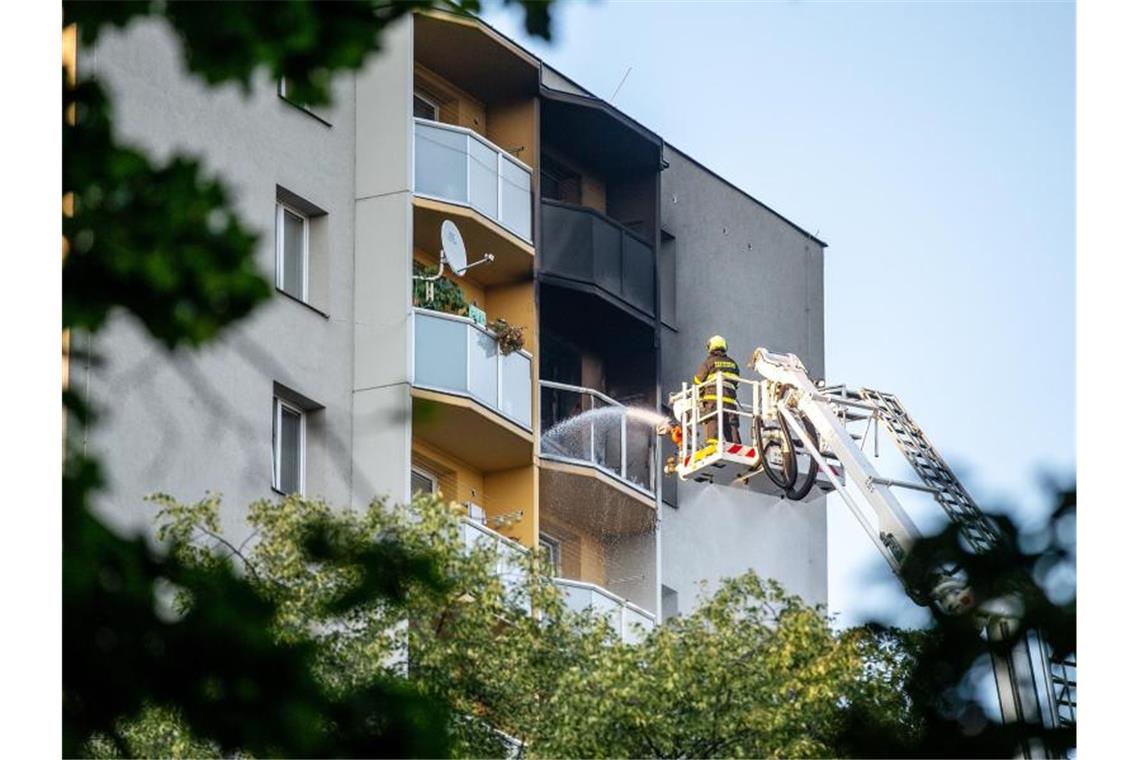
(430, 477)
(553, 552)
(279, 404)
(427, 99)
(280, 225)
(282, 83)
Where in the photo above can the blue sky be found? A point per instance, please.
(932, 145)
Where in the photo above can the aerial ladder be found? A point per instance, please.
(785, 418)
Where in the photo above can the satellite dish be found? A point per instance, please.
(454, 252)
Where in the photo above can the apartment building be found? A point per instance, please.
(616, 254)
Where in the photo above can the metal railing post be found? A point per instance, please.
(498, 379)
(757, 413)
(499, 186)
(684, 427)
(593, 446)
(719, 410)
(624, 450)
(694, 406)
(467, 169)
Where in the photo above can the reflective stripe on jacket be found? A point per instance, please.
(719, 361)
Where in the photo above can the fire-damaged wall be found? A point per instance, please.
(731, 266)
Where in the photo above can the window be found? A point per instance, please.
(285, 90)
(552, 551)
(669, 603)
(422, 482)
(424, 107)
(559, 182)
(292, 252)
(288, 447)
(303, 250)
(667, 275)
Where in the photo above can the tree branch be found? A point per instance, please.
(233, 549)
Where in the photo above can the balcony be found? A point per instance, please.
(484, 399)
(627, 619)
(507, 552)
(599, 472)
(606, 438)
(585, 247)
(456, 165)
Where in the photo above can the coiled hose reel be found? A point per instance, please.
(787, 473)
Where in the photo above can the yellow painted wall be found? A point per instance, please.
(498, 493)
(510, 491)
(594, 193)
(583, 557)
(457, 480)
(456, 106)
(69, 52)
(593, 186)
(514, 125)
(515, 303)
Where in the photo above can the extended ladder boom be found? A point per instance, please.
(791, 394)
(932, 469)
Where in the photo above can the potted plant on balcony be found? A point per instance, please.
(446, 297)
(510, 336)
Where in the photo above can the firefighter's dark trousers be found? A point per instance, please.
(729, 421)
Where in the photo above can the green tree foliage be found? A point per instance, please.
(215, 659)
(1032, 571)
(752, 672)
(159, 241)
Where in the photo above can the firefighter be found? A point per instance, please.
(719, 361)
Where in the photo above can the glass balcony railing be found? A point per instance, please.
(457, 165)
(631, 621)
(585, 426)
(455, 355)
(580, 244)
(507, 552)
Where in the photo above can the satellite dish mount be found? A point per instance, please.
(453, 254)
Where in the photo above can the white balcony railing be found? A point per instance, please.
(457, 165)
(605, 438)
(455, 355)
(629, 620)
(507, 552)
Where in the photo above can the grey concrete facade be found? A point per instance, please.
(192, 421)
(381, 382)
(742, 272)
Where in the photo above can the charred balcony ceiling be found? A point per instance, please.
(598, 135)
(579, 314)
